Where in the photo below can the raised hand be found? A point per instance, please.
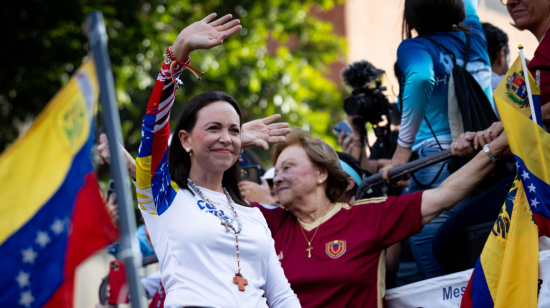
(105, 155)
(204, 34)
(261, 133)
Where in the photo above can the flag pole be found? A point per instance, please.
(97, 36)
(527, 84)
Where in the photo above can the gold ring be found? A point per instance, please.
(488, 131)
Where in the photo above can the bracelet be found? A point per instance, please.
(171, 60)
(488, 152)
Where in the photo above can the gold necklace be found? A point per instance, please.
(309, 249)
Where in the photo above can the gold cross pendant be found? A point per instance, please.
(309, 249)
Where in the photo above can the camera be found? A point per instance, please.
(367, 100)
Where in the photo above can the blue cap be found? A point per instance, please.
(349, 170)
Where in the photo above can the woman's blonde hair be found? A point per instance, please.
(322, 156)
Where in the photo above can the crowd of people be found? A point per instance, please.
(298, 237)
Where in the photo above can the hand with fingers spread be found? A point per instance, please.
(262, 132)
(204, 34)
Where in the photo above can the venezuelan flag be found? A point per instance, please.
(507, 271)
(52, 215)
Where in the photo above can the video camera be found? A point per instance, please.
(367, 101)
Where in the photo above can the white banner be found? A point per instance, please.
(447, 291)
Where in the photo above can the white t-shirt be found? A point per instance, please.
(198, 256)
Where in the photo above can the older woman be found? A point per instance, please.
(333, 254)
(213, 248)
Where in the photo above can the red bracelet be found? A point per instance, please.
(169, 56)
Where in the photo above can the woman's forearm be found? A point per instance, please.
(461, 183)
(401, 156)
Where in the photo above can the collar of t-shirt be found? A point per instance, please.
(337, 207)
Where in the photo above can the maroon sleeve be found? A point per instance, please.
(543, 224)
(272, 216)
(541, 61)
(391, 220)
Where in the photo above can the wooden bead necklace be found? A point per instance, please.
(228, 224)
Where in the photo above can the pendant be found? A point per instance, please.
(240, 281)
(309, 249)
(226, 225)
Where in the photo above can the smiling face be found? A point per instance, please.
(296, 177)
(528, 14)
(215, 141)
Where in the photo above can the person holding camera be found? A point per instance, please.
(367, 104)
(424, 96)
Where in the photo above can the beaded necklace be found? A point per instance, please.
(238, 279)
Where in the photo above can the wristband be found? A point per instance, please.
(488, 152)
(171, 60)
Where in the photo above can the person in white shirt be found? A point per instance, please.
(214, 249)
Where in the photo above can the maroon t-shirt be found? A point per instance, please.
(541, 61)
(347, 265)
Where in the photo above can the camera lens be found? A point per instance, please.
(244, 173)
(352, 105)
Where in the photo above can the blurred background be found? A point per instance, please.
(287, 58)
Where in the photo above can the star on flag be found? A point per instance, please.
(23, 279)
(26, 299)
(29, 255)
(525, 175)
(57, 227)
(42, 239)
(532, 187)
(535, 202)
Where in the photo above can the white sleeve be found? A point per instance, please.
(277, 289)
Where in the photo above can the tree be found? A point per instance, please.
(275, 64)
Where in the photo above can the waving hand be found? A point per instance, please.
(204, 34)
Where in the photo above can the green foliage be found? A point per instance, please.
(274, 65)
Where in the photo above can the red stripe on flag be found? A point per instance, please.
(91, 229)
(467, 301)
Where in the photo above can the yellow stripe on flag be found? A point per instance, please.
(507, 88)
(36, 165)
(527, 139)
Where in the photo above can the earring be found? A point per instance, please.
(320, 181)
(187, 150)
